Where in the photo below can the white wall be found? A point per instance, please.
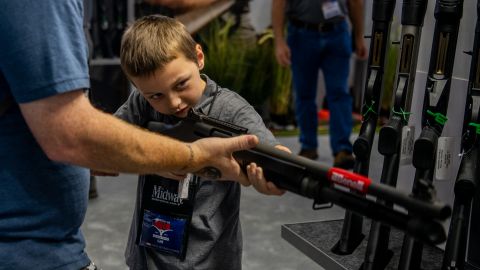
(260, 14)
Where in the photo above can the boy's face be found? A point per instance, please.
(175, 88)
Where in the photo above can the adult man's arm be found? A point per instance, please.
(355, 8)
(282, 51)
(69, 129)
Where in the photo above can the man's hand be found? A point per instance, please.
(356, 18)
(361, 49)
(212, 158)
(262, 185)
(282, 52)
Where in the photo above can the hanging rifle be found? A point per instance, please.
(447, 15)
(467, 178)
(382, 13)
(119, 24)
(473, 260)
(324, 184)
(104, 18)
(377, 254)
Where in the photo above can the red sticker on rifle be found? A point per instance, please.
(348, 179)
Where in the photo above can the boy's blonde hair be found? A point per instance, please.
(152, 42)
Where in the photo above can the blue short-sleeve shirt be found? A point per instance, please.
(42, 203)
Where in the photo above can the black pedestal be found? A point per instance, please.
(315, 239)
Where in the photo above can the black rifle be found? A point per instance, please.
(377, 254)
(119, 24)
(382, 13)
(322, 183)
(473, 260)
(467, 178)
(447, 15)
(104, 24)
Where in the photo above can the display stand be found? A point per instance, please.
(315, 239)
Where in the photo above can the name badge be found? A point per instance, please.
(331, 9)
(166, 214)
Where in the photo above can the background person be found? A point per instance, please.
(318, 38)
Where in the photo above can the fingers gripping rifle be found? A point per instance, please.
(447, 14)
(322, 183)
(382, 13)
(467, 178)
(377, 255)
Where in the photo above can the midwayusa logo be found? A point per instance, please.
(161, 194)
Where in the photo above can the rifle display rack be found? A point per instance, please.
(315, 239)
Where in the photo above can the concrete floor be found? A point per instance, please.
(108, 220)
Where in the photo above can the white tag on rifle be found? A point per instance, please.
(444, 158)
(183, 186)
(331, 9)
(406, 147)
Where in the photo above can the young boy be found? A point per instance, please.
(197, 227)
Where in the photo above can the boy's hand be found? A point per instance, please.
(262, 185)
(256, 177)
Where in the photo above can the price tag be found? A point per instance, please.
(183, 186)
(406, 148)
(444, 158)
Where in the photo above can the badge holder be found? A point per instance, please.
(331, 9)
(166, 214)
